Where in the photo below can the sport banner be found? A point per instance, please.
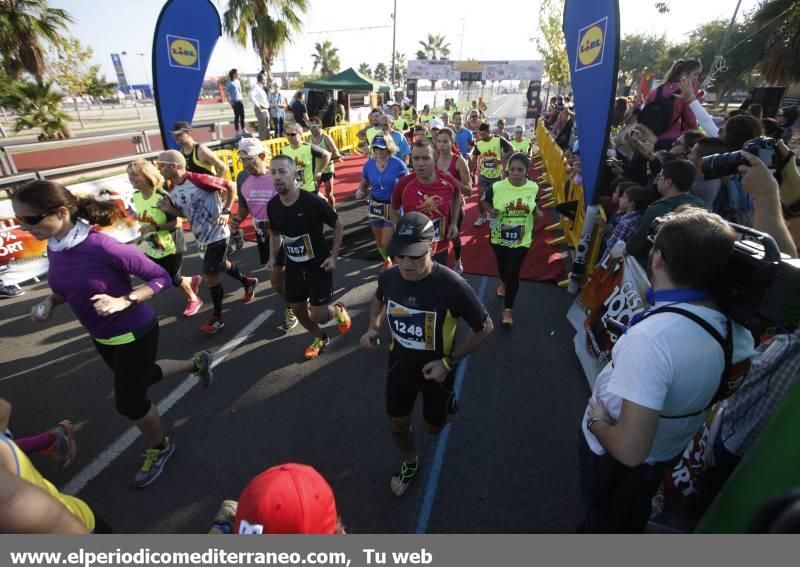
(23, 258)
(591, 32)
(186, 33)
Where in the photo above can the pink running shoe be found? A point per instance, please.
(193, 307)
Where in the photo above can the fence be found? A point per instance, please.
(564, 194)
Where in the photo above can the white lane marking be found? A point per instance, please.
(124, 441)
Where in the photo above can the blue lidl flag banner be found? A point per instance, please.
(122, 81)
(591, 32)
(185, 36)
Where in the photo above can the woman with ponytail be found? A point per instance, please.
(682, 117)
(92, 272)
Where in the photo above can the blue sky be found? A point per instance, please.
(113, 26)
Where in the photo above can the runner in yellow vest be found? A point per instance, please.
(521, 144)
(366, 134)
(29, 503)
(319, 138)
(409, 112)
(493, 151)
(511, 204)
(426, 115)
(399, 122)
(450, 109)
(304, 156)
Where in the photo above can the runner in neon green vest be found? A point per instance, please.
(511, 204)
(304, 156)
(493, 151)
(521, 144)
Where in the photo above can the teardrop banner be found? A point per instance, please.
(185, 36)
(591, 32)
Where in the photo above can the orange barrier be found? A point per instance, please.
(563, 190)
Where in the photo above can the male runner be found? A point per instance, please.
(520, 143)
(433, 192)
(297, 219)
(199, 158)
(255, 190)
(494, 152)
(306, 156)
(422, 302)
(197, 197)
(464, 137)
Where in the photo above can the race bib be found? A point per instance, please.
(489, 163)
(511, 234)
(437, 229)
(298, 248)
(412, 328)
(378, 210)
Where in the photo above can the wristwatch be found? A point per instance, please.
(133, 298)
(226, 211)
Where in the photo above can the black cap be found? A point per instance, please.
(412, 235)
(181, 126)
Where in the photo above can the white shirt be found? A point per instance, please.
(670, 364)
(258, 96)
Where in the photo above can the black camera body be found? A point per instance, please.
(759, 287)
(722, 165)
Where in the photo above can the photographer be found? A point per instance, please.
(666, 370)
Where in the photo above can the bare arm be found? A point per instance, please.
(27, 509)
(464, 176)
(206, 155)
(324, 160)
(630, 438)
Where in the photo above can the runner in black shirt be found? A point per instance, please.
(422, 302)
(296, 220)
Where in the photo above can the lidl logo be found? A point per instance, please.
(184, 52)
(591, 45)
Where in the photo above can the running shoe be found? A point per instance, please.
(202, 367)
(402, 479)
(458, 268)
(508, 319)
(316, 348)
(480, 221)
(289, 320)
(63, 450)
(195, 285)
(250, 289)
(192, 307)
(153, 465)
(213, 326)
(342, 318)
(501, 290)
(10, 290)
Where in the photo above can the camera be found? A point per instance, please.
(721, 165)
(759, 287)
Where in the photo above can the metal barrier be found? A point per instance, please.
(139, 138)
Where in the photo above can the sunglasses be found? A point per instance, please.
(291, 134)
(32, 220)
(314, 125)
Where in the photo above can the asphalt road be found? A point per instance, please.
(508, 465)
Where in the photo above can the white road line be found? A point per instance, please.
(124, 441)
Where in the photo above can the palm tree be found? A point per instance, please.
(23, 26)
(364, 69)
(326, 58)
(381, 72)
(435, 48)
(268, 24)
(37, 105)
(98, 87)
(782, 60)
(400, 66)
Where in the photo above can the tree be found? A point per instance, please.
(326, 57)
(37, 105)
(381, 72)
(68, 65)
(781, 22)
(400, 66)
(435, 48)
(98, 87)
(364, 69)
(24, 25)
(550, 43)
(267, 24)
(639, 53)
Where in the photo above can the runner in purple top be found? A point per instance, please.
(92, 273)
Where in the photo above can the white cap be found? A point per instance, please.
(251, 147)
(436, 123)
(406, 100)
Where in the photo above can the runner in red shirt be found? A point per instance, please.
(433, 193)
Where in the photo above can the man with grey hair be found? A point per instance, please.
(196, 196)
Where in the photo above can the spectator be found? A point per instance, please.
(706, 189)
(739, 129)
(771, 128)
(666, 371)
(277, 109)
(757, 111)
(789, 119)
(258, 96)
(299, 110)
(285, 499)
(682, 116)
(562, 129)
(501, 129)
(620, 110)
(633, 201)
(673, 183)
(642, 166)
(685, 142)
(619, 141)
(233, 88)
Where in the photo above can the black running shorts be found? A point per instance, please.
(404, 382)
(308, 282)
(215, 257)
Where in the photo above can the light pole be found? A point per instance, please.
(147, 77)
(135, 100)
(394, 41)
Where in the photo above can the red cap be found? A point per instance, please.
(287, 499)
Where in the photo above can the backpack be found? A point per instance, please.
(657, 114)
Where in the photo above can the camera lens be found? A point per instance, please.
(720, 165)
